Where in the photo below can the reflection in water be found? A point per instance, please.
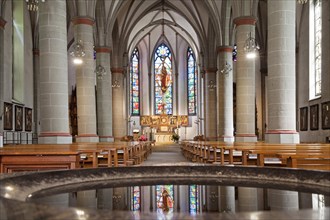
(167, 199)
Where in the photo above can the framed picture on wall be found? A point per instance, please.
(326, 115)
(28, 119)
(8, 116)
(18, 118)
(303, 119)
(314, 117)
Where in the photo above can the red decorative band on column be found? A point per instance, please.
(105, 136)
(87, 135)
(245, 20)
(102, 49)
(54, 134)
(281, 132)
(224, 136)
(2, 22)
(245, 135)
(83, 20)
(36, 52)
(211, 70)
(117, 70)
(226, 49)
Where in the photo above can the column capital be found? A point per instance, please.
(83, 20)
(102, 49)
(211, 70)
(2, 23)
(226, 49)
(245, 20)
(117, 70)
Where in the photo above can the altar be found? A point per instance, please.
(163, 137)
(164, 126)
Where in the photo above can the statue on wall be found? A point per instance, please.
(165, 79)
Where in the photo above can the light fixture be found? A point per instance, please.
(77, 52)
(211, 85)
(251, 47)
(116, 84)
(226, 69)
(100, 71)
(302, 1)
(33, 5)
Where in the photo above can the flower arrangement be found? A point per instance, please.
(143, 138)
(175, 137)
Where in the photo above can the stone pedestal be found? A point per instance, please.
(48, 138)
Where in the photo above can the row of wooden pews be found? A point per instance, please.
(306, 156)
(17, 158)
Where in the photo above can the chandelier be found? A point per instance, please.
(100, 71)
(251, 47)
(302, 1)
(33, 5)
(77, 52)
(226, 69)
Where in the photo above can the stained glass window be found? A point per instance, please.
(192, 82)
(193, 199)
(163, 81)
(136, 198)
(317, 45)
(159, 191)
(135, 86)
(315, 49)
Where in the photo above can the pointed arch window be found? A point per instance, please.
(193, 199)
(163, 81)
(135, 83)
(136, 198)
(315, 48)
(192, 82)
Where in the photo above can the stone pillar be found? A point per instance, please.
(2, 27)
(305, 200)
(54, 115)
(225, 95)
(281, 73)
(282, 200)
(227, 199)
(104, 96)
(210, 104)
(118, 100)
(212, 198)
(247, 199)
(245, 82)
(281, 89)
(85, 78)
(36, 88)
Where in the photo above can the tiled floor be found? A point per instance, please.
(166, 154)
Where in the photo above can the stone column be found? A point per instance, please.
(281, 73)
(281, 88)
(305, 200)
(104, 96)
(85, 78)
(210, 104)
(54, 115)
(36, 88)
(2, 27)
(118, 100)
(227, 199)
(225, 95)
(245, 82)
(247, 199)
